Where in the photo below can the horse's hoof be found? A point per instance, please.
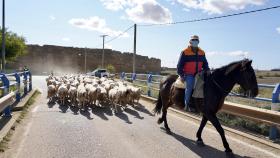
(160, 121)
(168, 131)
(200, 143)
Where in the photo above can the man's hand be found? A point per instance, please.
(182, 79)
(208, 73)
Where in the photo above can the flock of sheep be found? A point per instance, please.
(82, 91)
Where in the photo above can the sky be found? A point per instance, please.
(80, 23)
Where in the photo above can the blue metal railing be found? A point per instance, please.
(274, 100)
(150, 79)
(6, 84)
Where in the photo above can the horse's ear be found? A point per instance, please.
(249, 62)
(246, 63)
(232, 68)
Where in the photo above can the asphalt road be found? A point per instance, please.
(63, 132)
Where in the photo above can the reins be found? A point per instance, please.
(225, 92)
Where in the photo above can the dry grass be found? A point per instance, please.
(4, 143)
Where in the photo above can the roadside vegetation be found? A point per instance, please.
(5, 142)
(15, 45)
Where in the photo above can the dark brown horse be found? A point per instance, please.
(217, 86)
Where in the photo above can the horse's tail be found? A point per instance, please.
(165, 87)
(158, 107)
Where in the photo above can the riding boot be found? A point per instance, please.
(186, 108)
(193, 110)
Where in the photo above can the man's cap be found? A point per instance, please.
(194, 37)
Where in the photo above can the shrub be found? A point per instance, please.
(111, 68)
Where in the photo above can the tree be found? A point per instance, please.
(15, 45)
(111, 68)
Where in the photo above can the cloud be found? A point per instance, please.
(66, 39)
(186, 10)
(114, 4)
(278, 29)
(232, 54)
(144, 11)
(219, 6)
(149, 12)
(95, 24)
(52, 17)
(239, 54)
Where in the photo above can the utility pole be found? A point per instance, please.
(103, 36)
(3, 36)
(85, 60)
(134, 48)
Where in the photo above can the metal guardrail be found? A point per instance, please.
(271, 117)
(7, 98)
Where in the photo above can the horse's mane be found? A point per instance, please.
(225, 67)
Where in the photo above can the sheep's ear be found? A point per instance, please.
(232, 68)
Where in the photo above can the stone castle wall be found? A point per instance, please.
(48, 58)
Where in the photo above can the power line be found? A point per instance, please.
(114, 38)
(212, 18)
(120, 34)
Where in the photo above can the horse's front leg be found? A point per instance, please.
(214, 120)
(199, 132)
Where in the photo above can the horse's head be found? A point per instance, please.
(244, 75)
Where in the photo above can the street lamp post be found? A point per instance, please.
(3, 36)
(85, 59)
(103, 36)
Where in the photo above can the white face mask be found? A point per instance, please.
(194, 43)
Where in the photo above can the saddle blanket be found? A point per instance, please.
(198, 91)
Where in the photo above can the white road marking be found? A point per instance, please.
(28, 126)
(35, 109)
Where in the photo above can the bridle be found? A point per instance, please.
(226, 92)
(245, 75)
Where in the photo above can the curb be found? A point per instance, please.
(9, 122)
(20, 105)
(249, 137)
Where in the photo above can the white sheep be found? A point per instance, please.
(51, 93)
(72, 93)
(134, 94)
(124, 93)
(101, 94)
(114, 96)
(92, 94)
(62, 93)
(81, 95)
(108, 87)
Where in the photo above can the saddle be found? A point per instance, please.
(198, 91)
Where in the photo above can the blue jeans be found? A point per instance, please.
(189, 79)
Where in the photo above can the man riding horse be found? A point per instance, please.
(192, 60)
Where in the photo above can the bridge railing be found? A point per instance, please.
(273, 118)
(11, 91)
